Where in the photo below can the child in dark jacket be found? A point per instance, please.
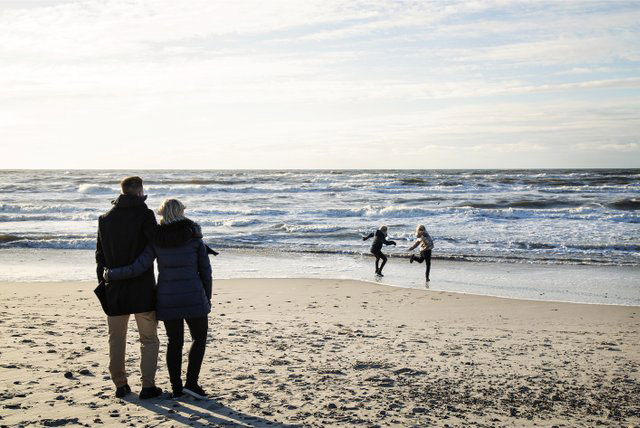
(183, 292)
(379, 239)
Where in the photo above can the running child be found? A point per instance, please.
(379, 238)
(426, 245)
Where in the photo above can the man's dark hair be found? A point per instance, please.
(131, 185)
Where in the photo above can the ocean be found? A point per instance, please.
(514, 216)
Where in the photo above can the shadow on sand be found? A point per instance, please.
(203, 413)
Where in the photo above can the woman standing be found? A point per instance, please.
(183, 292)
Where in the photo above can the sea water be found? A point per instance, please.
(512, 217)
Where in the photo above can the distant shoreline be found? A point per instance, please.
(470, 258)
(323, 169)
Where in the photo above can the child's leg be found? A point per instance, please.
(427, 259)
(377, 256)
(384, 262)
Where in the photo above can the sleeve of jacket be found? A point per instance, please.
(204, 269)
(137, 268)
(100, 262)
(415, 244)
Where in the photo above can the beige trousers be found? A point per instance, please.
(149, 346)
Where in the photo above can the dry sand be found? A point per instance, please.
(303, 352)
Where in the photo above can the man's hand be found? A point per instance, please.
(105, 274)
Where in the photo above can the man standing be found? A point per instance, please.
(123, 233)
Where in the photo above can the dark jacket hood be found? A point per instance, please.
(175, 234)
(126, 201)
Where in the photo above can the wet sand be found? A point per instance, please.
(311, 352)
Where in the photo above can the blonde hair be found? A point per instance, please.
(171, 210)
(422, 229)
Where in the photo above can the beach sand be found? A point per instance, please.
(305, 352)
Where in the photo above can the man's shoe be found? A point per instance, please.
(195, 391)
(150, 392)
(122, 391)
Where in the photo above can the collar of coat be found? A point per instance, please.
(126, 201)
(175, 234)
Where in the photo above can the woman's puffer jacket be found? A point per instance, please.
(184, 273)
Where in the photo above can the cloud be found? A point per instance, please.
(564, 50)
(521, 147)
(504, 77)
(609, 147)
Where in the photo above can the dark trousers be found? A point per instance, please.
(425, 256)
(175, 332)
(379, 256)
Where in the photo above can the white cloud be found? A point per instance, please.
(563, 50)
(505, 77)
(609, 147)
(521, 147)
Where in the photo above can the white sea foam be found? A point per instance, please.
(85, 216)
(241, 223)
(94, 189)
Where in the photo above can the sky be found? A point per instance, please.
(208, 84)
